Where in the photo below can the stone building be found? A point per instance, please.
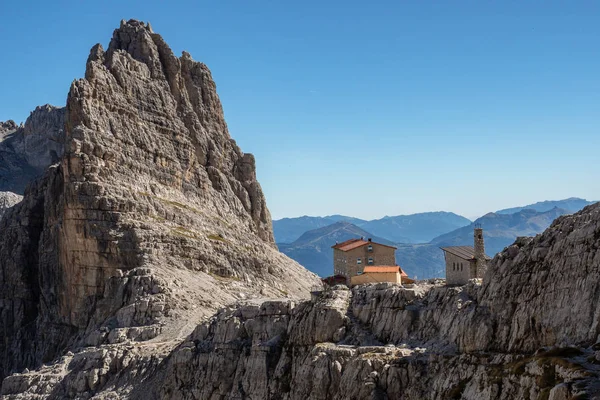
(466, 262)
(350, 257)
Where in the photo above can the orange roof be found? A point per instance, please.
(354, 243)
(350, 244)
(385, 268)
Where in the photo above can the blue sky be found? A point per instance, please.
(362, 108)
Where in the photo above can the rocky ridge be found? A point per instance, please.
(496, 340)
(27, 150)
(151, 220)
(531, 330)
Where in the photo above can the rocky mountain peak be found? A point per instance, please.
(135, 56)
(27, 150)
(9, 125)
(152, 219)
(44, 135)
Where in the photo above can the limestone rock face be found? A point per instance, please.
(44, 136)
(545, 290)
(7, 200)
(27, 150)
(7, 127)
(247, 352)
(376, 341)
(151, 220)
(25, 247)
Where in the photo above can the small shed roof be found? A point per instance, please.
(464, 252)
(349, 244)
(383, 269)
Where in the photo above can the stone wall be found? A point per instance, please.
(457, 269)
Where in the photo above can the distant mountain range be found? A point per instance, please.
(499, 231)
(287, 230)
(415, 228)
(572, 204)
(312, 248)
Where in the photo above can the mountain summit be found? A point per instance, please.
(152, 219)
(572, 204)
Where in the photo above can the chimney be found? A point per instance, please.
(369, 239)
(479, 247)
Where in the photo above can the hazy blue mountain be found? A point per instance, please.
(415, 228)
(572, 204)
(345, 218)
(313, 249)
(499, 231)
(287, 230)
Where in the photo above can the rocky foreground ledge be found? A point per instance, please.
(377, 341)
(363, 344)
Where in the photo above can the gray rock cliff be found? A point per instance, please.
(7, 200)
(27, 150)
(151, 219)
(494, 340)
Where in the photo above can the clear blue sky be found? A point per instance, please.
(362, 108)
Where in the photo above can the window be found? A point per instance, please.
(370, 261)
(358, 260)
(453, 266)
(358, 272)
(370, 248)
(461, 266)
